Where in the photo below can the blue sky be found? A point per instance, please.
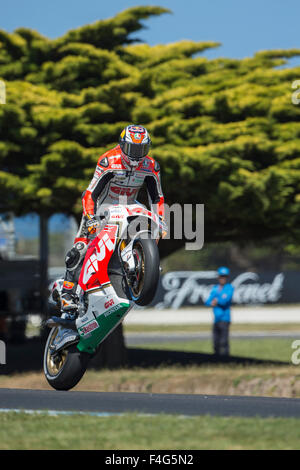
(28, 225)
(242, 26)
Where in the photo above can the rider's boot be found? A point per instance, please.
(69, 310)
(67, 331)
(68, 297)
(69, 302)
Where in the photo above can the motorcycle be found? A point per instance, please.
(121, 269)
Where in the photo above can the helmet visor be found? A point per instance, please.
(135, 151)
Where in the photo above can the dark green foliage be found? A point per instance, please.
(225, 131)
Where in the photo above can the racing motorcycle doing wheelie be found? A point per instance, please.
(120, 269)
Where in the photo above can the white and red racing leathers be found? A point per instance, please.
(113, 178)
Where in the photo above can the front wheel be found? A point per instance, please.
(64, 369)
(143, 284)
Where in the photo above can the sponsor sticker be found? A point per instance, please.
(146, 165)
(86, 329)
(138, 129)
(122, 191)
(109, 303)
(68, 285)
(120, 175)
(116, 166)
(112, 310)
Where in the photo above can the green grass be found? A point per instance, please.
(206, 327)
(275, 349)
(131, 431)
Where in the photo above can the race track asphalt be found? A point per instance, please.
(116, 403)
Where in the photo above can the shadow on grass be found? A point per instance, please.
(28, 357)
(138, 357)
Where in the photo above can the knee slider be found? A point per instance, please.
(75, 255)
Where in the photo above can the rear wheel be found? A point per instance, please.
(143, 283)
(64, 369)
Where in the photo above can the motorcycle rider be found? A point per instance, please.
(120, 173)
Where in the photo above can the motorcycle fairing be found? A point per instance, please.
(94, 270)
(105, 308)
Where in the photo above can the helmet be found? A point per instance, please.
(135, 143)
(223, 271)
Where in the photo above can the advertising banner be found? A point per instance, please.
(191, 288)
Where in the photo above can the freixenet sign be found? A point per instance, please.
(188, 288)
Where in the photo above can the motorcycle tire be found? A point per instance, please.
(69, 365)
(147, 248)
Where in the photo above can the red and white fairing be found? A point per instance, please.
(94, 271)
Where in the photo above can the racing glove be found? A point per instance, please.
(92, 224)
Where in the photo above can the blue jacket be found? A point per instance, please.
(224, 296)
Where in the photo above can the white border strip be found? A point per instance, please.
(98, 414)
(59, 412)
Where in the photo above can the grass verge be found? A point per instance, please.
(270, 381)
(226, 379)
(206, 327)
(23, 432)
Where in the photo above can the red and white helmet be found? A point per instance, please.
(135, 143)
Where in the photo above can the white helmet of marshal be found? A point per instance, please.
(135, 144)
